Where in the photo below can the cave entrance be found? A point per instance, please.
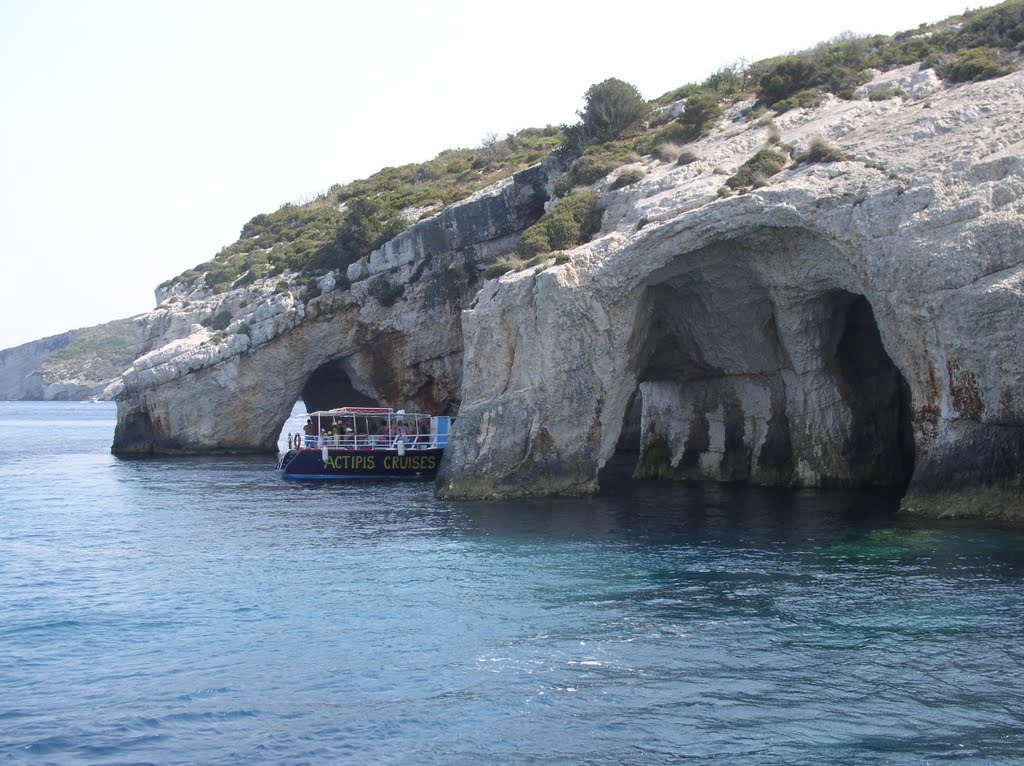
(724, 395)
(622, 465)
(880, 444)
(329, 386)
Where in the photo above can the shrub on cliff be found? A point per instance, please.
(821, 150)
(755, 171)
(700, 113)
(686, 157)
(785, 77)
(976, 64)
(368, 224)
(596, 163)
(626, 178)
(612, 108)
(837, 66)
(803, 99)
(568, 223)
(1001, 26)
(728, 80)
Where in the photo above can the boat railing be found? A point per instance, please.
(373, 441)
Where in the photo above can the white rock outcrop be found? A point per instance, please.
(221, 371)
(850, 323)
(845, 324)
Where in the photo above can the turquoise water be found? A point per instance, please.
(203, 611)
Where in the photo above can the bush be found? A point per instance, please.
(370, 222)
(534, 240)
(821, 150)
(885, 93)
(726, 81)
(999, 27)
(672, 133)
(390, 294)
(498, 268)
(221, 320)
(596, 163)
(976, 64)
(804, 99)
(756, 170)
(626, 178)
(590, 169)
(700, 113)
(311, 289)
(567, 224)
(677, 94)
(686, 157)
(612, 108)
(786, 77)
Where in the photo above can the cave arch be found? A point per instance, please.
(330, 385)
(744, 375)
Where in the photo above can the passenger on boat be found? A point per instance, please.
(310, 431)
(383, 434)
(403, 433)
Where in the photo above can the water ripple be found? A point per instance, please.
(203, 611)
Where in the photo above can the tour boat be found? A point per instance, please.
(366, 443)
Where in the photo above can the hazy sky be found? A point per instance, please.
(138, 136)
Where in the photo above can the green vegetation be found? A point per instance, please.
(973, 46)
(757, 170)
(349, 221)
(389, 293)
(596, 163)
(499, 267)
(98, 353)
(221, 320)
(885, 93)
(804, 99)
(613, 107)
(570, 222)
(626, 178)
(821, 150)
(699, 115)
(975, 64)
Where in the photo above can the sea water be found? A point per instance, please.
(206, 611)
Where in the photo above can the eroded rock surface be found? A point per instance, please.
(848, 324)
(394, 336)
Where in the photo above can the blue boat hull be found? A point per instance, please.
(309, 463)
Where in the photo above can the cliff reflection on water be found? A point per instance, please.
(205, 611)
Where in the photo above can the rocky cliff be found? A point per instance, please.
(79, 364)
(844, 323)
(848, 323)
(387, 331)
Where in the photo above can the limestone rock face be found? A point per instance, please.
(20, 373)
(847, 324)
(393, 337)
(65, 368)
